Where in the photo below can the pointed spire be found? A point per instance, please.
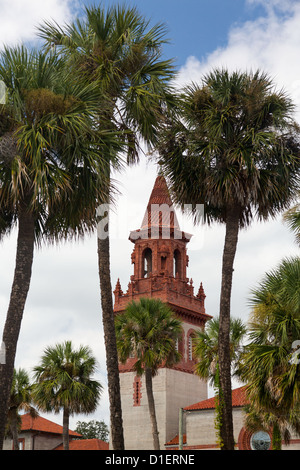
(118, 290)
(201, 294)
(153, 216)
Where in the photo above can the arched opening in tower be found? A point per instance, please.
(177, 263)
(147, 262)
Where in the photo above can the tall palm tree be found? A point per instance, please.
(117, 49)
(148, 329)
(206, 344)
(20, 400)
(64, 382)
(271, 365)
(234, 148)
(49, 167)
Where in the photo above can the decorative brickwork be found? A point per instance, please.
(160, 264)
(137, 394)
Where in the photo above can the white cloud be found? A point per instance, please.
(64, 299)
(272, 5)
(270, 43)
(19, 18)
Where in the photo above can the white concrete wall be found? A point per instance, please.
(200, 429)
(172, 390)
(41, 441)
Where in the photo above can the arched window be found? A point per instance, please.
(190, 345)
(179, 346)
(177, 263)
(190, 348)
(163, 262)
(147, 262)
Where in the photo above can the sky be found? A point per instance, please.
(64, 298)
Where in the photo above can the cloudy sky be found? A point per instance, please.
(64, 298)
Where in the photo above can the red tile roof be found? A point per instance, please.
(238, 399)
(86, 444)
(43, 425)
(159, 195)
(175, 440)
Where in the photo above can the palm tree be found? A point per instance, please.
(149, 330)
(205, 345)
(20, 399)
(64, 382)
(116, 49)
(270, 365)
(206, 351)
(49, 166)
(235, 149)
(270, 419)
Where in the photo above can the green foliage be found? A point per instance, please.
(206, 351)
(93, 430)
(63, 380)
(20, 389)
(292, 219)
(42, 101)
(205, 344)
(148, 330)
(20, 400)
(268, 368)
(52, 156)
(117, 49)
(234, 147)
(234, 142)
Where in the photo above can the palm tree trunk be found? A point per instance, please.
(112, 364)
(14, 428)
(66, 416)
(276, 438)
(20, 288)
(230, 245)
(151, 404)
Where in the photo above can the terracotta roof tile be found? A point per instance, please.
(43, 425)
(86, 444)
(160, 195)
(238, 399)
(175, 440)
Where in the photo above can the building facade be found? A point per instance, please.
(38, 434)
(200, 430)
(160, 262)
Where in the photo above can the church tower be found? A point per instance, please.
(160, 262)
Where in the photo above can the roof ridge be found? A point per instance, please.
(238, 399)
(159, 196)
(42, 424)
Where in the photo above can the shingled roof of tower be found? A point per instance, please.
(156, 216)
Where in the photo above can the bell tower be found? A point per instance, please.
(160, 263)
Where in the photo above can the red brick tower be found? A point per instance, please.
(160, 260)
